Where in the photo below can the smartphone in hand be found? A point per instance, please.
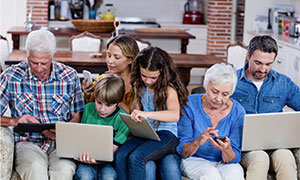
(222, 138)
(87, 75)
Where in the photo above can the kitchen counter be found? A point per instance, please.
(183, 37)
(285, 40)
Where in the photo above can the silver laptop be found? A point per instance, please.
(75, 138)
(271, 131)
(142, 129)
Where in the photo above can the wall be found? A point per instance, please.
(12, 13)
(161, 10)
(297, 9)
(40, 12)
(219, 26)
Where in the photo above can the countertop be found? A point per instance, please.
(285, 40)
(182, 37)
(72, 31)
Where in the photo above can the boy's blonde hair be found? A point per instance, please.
(110, 89)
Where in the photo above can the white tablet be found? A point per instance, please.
(140, 129)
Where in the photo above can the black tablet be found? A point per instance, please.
(33, 127)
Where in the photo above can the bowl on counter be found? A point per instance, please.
(92, 25)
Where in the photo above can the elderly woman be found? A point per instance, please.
(210, 115)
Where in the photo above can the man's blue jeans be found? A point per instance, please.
(91, 171)
(131, 157)
(169, 168)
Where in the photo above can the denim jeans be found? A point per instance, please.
(93, 171)
(169, 168)
(132, 156)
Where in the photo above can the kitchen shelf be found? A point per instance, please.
(60, 24)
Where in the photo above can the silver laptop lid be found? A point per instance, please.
(271, 131)
(142, 129)
(75, 138)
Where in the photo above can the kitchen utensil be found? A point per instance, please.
(76, 8)
(92, 14)
(116, 24)
(186, 15)
(192, 12)
(294, 28)
(159, 30)
(269, 19)
(108, 15)
(93, 4)
(131, 23)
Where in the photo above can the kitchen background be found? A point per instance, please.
(169, 11)
(220, 29)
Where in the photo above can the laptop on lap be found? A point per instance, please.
(271, 131)
(75, 138)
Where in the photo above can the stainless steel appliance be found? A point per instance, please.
(294, 28)
(76, 7)
(277, 16)
(131, 23)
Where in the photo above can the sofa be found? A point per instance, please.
(7, 153)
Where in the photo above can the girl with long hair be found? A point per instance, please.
(159, 97)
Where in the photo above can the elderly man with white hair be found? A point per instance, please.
(40, 90)
(210, 115)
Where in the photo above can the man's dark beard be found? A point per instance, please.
(254, 74)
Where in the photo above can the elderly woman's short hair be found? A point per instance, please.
(41, 41)
(221, 73)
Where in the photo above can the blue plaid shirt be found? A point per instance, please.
(276, 91)
(51, 100)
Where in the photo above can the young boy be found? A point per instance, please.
(109, 92)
